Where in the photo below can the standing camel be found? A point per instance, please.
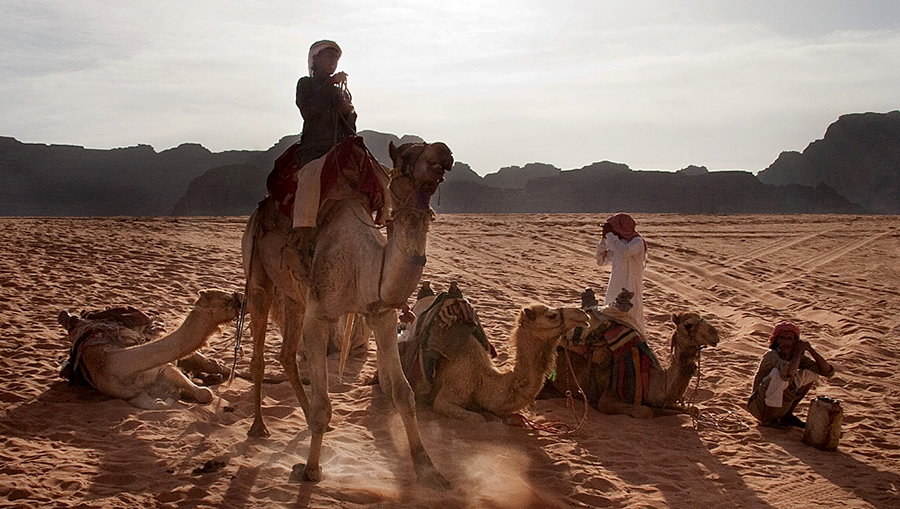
(354, 269)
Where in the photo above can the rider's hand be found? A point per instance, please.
(339, 77)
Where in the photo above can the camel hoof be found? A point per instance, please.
(433, 479)
(299, 473)
(258, 430)
(426, 474)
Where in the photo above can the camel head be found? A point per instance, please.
(223, 306)
(692, 332)
(552, 322)
(423, 164)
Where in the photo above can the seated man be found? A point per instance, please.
(784, 377)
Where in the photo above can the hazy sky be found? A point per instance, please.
(653, 84)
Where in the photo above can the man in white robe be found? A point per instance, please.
(625, 250)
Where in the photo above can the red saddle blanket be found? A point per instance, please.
(349, 159)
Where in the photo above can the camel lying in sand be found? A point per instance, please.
(588, 362)
(448, 361)
(111, 351)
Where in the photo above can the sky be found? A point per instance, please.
(652, 84)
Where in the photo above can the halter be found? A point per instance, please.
(399, 208)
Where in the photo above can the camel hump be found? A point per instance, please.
(444, 328)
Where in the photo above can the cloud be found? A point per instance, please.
(652, 84)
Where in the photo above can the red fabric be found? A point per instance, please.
(623, 225)
(280, 183)
(783, 326)
(352, 153)
(349, 154)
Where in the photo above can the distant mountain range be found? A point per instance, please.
(854, 169)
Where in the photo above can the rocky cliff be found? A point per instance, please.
(859, 157)
(854, 169)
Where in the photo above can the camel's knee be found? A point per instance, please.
(448, 408)
(202, 395)
(320, 416)
(403, 397)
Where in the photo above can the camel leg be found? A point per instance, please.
(197, 362)
(315, 343)
(145, 401)
(258, 304)
(444, 406)
(611, 406)
(385, 328)
(293, 318)
(174, 377)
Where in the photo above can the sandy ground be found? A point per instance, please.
(836, 276)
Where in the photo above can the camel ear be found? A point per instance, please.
(529, 314)
(676, 318)
(393, 152)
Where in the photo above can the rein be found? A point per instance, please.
(560, 428)
(239, 321)
(419, 214)
(729, 423)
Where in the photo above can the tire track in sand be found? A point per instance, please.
(688, 292)
(693, 291)
(759, 252)
(814, 262)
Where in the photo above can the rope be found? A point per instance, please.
(729, 423)
(239, 325)
(559, 427)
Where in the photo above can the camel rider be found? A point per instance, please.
(324, 102)
(328, 119)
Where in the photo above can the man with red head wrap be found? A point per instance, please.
(784, 377)
(625, 250)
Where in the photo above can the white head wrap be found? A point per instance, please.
(318, 47)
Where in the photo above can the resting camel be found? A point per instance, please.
(354, 269)
(113, 356)
(592, 365)
(466, 380)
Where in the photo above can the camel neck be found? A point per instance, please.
(404, 254)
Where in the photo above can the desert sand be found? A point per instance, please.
(836, 276)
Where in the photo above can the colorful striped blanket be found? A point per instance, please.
(631, 356)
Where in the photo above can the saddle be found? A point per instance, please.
(429, 345)
(349, 167)
(631, 357)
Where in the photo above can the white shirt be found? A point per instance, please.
(627, 260)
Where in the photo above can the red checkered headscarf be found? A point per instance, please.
(623, 225)
(781, 327)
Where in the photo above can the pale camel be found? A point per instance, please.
(354, 269)
(120, 362)
(592, 368)
(465, 378)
